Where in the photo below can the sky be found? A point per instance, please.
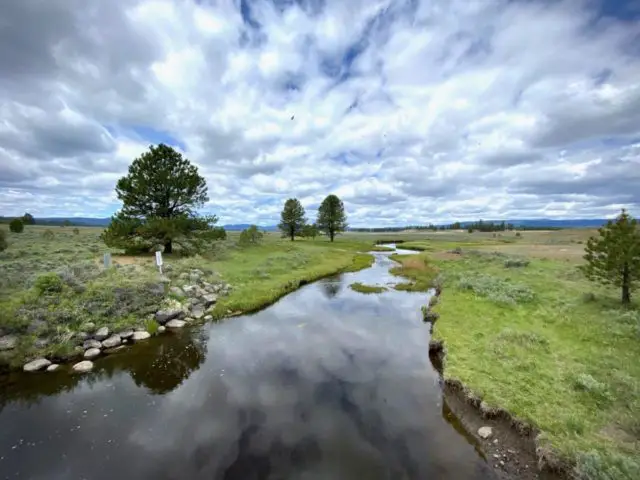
(411, 111)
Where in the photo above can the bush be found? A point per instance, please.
(16, 225)
(76, 231)
(48, 283)
(48, 235)
(597, 466)
(516, 263)
(3, 241)
(250, 236)
(496, 290)
(518, 234)
(151, 326)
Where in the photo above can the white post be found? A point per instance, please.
(159, 261)
(107, 260)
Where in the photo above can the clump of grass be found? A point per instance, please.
(151, 326)
(516, 263)
(496, 289)
(525, 339)
(586, 383)
(598, 466)
(48, 283)
(48, 235)
(362, 288)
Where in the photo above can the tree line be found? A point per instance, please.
(331, 219)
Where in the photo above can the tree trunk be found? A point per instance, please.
(168, 247)
(293, 234)
(331, 234)
(626, 291)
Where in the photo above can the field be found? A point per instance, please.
(527, 333)
(52, 287)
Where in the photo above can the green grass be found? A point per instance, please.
(381, 248)
(418, 268)
(362, 288)
(525, 339)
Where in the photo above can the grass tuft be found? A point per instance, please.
(362, 288)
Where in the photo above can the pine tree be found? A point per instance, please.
(28, 219)
(331, 217)
(613, 258)
(292, 218)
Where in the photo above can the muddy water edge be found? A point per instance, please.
(325, 383)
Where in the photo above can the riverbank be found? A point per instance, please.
(527, 339)
(57, 299)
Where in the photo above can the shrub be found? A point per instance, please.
(516, 263)
(48, 283)
(250, 236)
(76, 231)
(3, 241)
(586, 383)
(16, 225)
(518, 234)
(496, 290)
(48, 234)
(596, 466)
(151, 326)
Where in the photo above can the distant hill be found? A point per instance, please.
(242, 226)
(571, 223)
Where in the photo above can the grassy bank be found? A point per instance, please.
(530, 335)
(54, 286)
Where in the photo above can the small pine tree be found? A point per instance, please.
(331, 217)
(250, 236)
(16, 225)
(613, 258)
(292, 218)
(28, 219)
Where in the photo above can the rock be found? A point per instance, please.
(189, 290)
(36, 326)
(8, 342)
(137, 336)
(177, 291)
(156, 289)
(82, 367)
(162, 329)
(53, 367)
(197, 311)
(189, 319)
(91, 344)
(431, 316)
(89, 326)
(163, 316)
(80, 337)
(41, 342)
(126, 334)
(485, 432)
(102, 333)
(112, 341)
(92, 353)
(208, 318)
(37, 364)
(176, 323)
(209, 299)
(113, 350)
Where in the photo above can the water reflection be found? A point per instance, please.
(331, 286)
(326, 383)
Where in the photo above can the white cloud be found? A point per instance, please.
(412, 112)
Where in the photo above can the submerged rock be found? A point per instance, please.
(37, 364)
(485, 432)
(102, 333)
(137, 336)
(162, 328)
(163, 316)
(8, 342)
(53, 367)
(91, 344)
(112, 341)
(82, 367)
(126, 334)
(175, 323)
(92, 353)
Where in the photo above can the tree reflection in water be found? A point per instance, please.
(331, 286)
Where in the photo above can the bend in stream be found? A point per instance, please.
(327, 383)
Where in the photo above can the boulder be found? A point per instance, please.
(189, 290)
(163, 316)
(197, 311)
(485, 432)
(82, 367)
(91, 344)
(177, 291)
(92, 353)
(126, 334)
(102, 333)
(208, 318)
(189, 319)
(112, 341)
(53, 367)
(80, 337)
(175, 323)
(162, 328)
(137, 336)
(37, 364)
(8, 342)
(209, 299)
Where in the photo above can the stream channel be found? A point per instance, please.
(327, 383)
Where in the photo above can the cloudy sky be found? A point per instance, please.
(412, 111)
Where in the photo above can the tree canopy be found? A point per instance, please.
(28, 219)
(331, 216)
(613, 258)
(160, 195)
(292, 219)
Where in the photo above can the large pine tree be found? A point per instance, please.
(292, 218)
(613, 258)
(331, 217)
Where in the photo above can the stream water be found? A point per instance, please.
(327, 383)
